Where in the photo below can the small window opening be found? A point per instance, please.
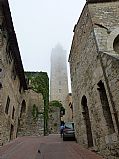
(0, 85)
(0, 70)
(13, 112)
(59, 90)
(23, 109)
(7, 105)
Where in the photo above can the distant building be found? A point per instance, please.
(58, 75)
(94, 67)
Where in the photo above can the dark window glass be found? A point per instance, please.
(13, 111)
(7, 105)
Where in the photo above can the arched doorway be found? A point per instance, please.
(105, 107)
(22, 119)
(85, 113)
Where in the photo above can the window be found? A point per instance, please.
(59, 90)
(7, 105)
(0, 85)
(23, 108)
(9, 56)
(20, 88)
(14, 73)
(13, 111)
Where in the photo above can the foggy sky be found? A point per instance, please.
(40, 25)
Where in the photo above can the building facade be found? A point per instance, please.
(31, 119)
(15, 98)
(58, 75)
(94, 63)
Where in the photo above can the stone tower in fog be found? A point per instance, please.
(58, 75)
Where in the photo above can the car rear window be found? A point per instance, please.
(69, 125)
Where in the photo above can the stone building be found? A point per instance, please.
(54, 120)
(69, 108)
(58, 76)
(12, 79)
(39, 82)
(31, 121)
(94, 67)
(15, 98)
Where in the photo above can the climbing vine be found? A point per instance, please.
(39, 82)
(56, 103)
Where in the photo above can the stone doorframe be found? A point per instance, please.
(86, 117)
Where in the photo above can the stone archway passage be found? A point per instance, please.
(105, 107)
(87, 121)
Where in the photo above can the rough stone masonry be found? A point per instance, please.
(94, 67)
(16, 100)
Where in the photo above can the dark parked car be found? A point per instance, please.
(68, 131)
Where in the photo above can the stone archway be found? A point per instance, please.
(111, 39)
(116, 44)
(85, 113)
(105, 107)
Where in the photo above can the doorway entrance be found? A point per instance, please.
(105, 107)
(87, 121)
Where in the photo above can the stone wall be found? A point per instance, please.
(69, 109)
(105, 21)
(54, 120)
(16, 102)
(10, 83)
(32, 121)
(94, 78)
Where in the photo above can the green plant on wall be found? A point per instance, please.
(39, 82)
(55, 124)
(54, 103)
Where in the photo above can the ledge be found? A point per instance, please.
(100, 1)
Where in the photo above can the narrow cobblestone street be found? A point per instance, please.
(48, 147)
